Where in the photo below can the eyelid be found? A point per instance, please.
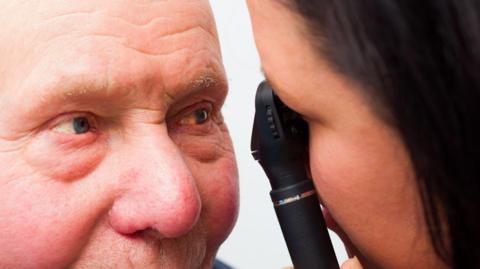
(70, 116)
(175, 126)
(209, 106)
(68, 141)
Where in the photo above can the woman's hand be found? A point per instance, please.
(352, 263)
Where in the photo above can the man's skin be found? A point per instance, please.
(113, 150)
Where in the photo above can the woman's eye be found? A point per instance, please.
(76, 125)
(197, 117)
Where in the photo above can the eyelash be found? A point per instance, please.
(206, 113)
(176, 122)
(71, 139)
(63, 119)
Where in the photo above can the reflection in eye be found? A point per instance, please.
(198, 117)
(77, 125)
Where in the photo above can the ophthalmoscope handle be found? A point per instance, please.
(280, 145)
(303, 227)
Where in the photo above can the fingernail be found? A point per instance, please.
(356, 263)
(352, 263)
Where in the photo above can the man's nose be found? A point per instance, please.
(157, 191)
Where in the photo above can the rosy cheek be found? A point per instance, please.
(65, 157)
(218, 184)
(203, 148)
(39, 224)
(212, 163)
(213, 166)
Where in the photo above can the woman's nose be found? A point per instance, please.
(157, 192)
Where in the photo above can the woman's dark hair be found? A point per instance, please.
(419, 61)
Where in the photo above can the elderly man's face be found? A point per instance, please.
(113, 150)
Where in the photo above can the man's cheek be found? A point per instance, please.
(218, 186)
(212, 163)
(41, 226)
(64, 161)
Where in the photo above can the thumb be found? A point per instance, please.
(352, 264)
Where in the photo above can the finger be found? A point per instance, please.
(288, 267)
(352, 264)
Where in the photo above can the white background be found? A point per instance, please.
(256, 241)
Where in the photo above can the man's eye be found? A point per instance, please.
(76, 125)
(197, 117)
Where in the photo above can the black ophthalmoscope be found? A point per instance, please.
(280, 145)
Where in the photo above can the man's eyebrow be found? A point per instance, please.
(208, 81)
(64, 92)
(70, 93)
(205, 81)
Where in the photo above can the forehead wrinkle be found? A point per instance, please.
(138, 13)
(107, 95)
(98, 22)
(140, 25)
(154, 18)
(142, 84)
(98, 91)
(152, 28)
(160, 36)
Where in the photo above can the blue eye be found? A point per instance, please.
(81, 125)
(75, 125)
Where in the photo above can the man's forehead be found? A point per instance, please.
(137, 11)
(145, 49)
(37, 20)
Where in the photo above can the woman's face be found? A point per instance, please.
(359, 164)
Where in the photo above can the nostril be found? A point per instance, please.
(156, 214)
(123, 220)
(149, 233)
(159, 199)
